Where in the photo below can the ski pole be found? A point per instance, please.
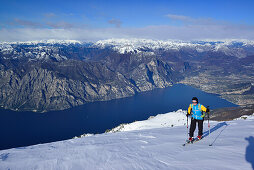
(209, 126)
(187, 125)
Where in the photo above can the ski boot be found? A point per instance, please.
(199, 137)
(191, 139)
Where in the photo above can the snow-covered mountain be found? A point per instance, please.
(46, 49)
(49, 41)
(156, 148)
(115, 68)
(36, 50)
(229, 47)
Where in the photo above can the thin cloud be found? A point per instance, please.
(115, 22)
(195, 21)
(25, 23)
(31, 24)
(50, 15)
(194, 29)
(179, 17)
(60, 25)
(162, 32)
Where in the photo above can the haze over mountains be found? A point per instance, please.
(60, 74)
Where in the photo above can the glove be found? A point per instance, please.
(187, 114)
(207, 110)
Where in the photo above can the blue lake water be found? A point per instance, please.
(28, 128)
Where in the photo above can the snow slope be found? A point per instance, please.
(157, 148)
(170, 119)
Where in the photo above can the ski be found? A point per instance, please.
(191, 142)
(196, 140)
(187, 142)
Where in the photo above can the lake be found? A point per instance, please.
(27, 128)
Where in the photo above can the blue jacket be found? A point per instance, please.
(197, 111)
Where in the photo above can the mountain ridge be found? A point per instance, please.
(104, 70)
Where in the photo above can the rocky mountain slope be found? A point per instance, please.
(55, 75)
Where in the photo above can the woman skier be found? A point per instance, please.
(197, 111)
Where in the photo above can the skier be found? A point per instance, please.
(198, 113)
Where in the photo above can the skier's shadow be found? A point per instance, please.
(249, 154)
(218, 126)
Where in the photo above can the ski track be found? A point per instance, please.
(158, 148)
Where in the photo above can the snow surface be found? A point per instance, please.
(156, 148)
(170, 119)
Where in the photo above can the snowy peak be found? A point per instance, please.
(132, 45)
(45, 49)
(137, 45)
(37, 50)
(49, 41)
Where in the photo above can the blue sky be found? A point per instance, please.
(157, 19)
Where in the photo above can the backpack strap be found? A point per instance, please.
(199, 107)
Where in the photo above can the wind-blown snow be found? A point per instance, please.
(157, 148)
